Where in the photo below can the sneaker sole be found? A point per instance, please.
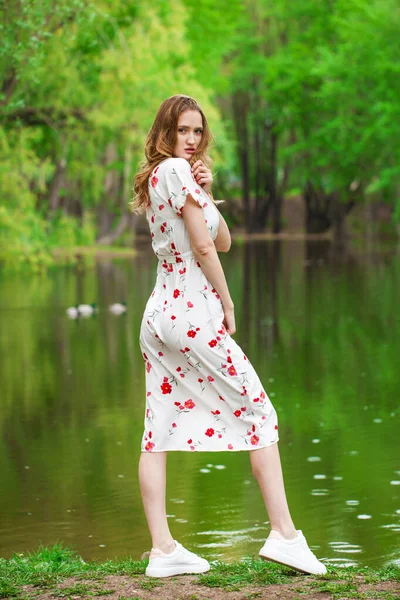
(178, 570)
(286, 564)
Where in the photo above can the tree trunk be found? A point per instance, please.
(56, 184)
(275, 198)
(326, 211)
(239, 106)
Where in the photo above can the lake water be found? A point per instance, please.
(322, 330)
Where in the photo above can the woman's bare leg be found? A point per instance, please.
(152, 480)
(267, 469)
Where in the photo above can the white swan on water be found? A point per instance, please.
(86, 310)
(117, 308)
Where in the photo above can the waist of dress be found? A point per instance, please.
(172, 258)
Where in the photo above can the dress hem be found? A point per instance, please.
(247, 449)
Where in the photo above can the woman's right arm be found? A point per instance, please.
(206, 253)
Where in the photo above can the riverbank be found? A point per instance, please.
(59, 572)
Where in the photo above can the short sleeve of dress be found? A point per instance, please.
(181, 182)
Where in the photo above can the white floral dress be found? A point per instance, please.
(202, 393)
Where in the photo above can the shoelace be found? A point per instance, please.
(303, 542)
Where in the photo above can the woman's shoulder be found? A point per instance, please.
(173, 163)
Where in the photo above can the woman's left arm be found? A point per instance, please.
(203, 177)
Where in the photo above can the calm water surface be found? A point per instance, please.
(323, 334)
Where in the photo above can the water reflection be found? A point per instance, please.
(322, 332)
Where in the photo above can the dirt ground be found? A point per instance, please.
(116, 587)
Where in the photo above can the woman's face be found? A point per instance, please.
(189, 134)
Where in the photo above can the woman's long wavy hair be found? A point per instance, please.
(160, 143)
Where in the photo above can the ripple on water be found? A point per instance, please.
(364, 516)
(395, 482)
(319, 476)
(320, 492)
(341, 562)
(352, 502)
(346, 547)
(204, 470)
(313, 458)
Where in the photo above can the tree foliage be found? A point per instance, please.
(301, 96)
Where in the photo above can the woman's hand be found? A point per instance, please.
(202, 175)
(229, 320)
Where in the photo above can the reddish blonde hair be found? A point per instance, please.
(160, 143)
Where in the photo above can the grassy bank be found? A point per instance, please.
(59, 572)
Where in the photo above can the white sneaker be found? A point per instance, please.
(178, 562)
(294, 553)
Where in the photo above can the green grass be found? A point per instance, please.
(47, 567)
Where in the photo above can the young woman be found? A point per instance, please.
(202, 393)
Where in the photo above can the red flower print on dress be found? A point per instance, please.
(276, 427)
(212, 343)
(210, 378)
(256, 399)
(189, 403)
(191, 442)
(166, 387)
(232, 370)
(161, 207)
(173, 317)
(215, 412)
(154, 181)
(210, 432)
(190, 304)
(181, 374)
(174, 425)
(148, 367)
(149, 446)
(176, 293)
(262, 395)
(230, 447)
(162, 227)
(192, 331)
(237, 413)
(152, 218)
(182, 271)
(185, 350)
(254, 440)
